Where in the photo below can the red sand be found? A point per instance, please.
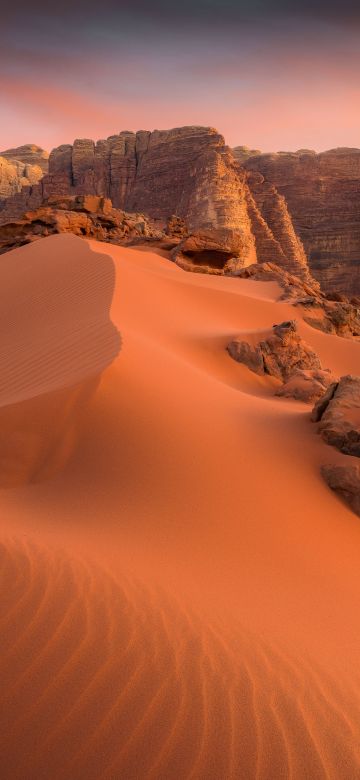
(180, 586)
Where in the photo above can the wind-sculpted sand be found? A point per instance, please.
(112, 679)
(179, 586)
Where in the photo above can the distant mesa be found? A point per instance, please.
(30, 154)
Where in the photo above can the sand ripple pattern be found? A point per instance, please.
(101, 680)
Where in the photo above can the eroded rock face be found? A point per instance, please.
(186, 172)
(322, 194)
(89, 216)
(339, 317)
(285, 356)
(345, 481)
(338, 415)
(275, 237)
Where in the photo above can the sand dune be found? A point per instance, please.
(104, 679)
(180, 585)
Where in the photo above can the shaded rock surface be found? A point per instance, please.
(322, 194)
(338, 415)
(285, 356)
(345, 481)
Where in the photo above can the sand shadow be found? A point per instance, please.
(57, 339)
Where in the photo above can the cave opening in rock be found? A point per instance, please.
(214, 258)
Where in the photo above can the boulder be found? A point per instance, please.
(345, 481)
(338, 415)
(307, 386)
(285, 356)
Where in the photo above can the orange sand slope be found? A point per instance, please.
(180, 587)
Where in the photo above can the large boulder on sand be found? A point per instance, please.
(338, 415)
(345, 481)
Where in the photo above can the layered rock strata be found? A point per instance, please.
(186, 172)
(322, 195)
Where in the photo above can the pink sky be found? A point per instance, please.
(272, 90)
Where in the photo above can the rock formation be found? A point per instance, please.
(285, 356)
(339, 317)
(20, 168)
(345, 481)
(30, 154)
(299, 210)
(322, 194)
(186, 172)
(338, 415)
(16, 175)
(89, 216)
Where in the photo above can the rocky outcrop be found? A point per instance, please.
(338, 415)
(88, 216)
(345, 481)
(322, 194)
(339, 317)
(30, 154)
(285, 356)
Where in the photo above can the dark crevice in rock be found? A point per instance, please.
(212, 258)
(321, 406)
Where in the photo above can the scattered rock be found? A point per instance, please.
(285, 356)
(344, 480)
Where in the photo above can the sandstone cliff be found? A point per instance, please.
(322, 195)
(299, 210)
(188, 172)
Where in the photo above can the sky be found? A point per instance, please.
(269, 74)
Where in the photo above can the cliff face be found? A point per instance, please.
(322, 195)
(188, 172)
